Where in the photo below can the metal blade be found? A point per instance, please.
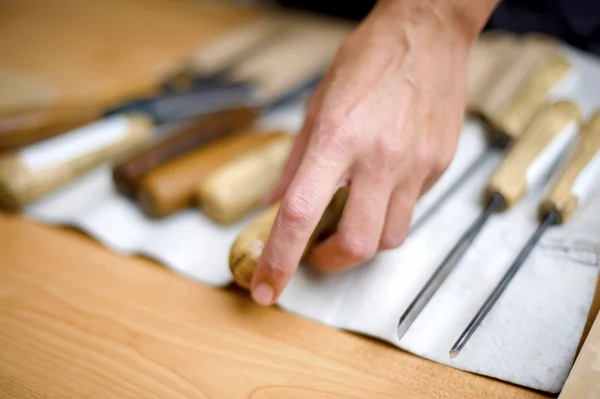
(444, 269)
(465, 176)
(549, 219)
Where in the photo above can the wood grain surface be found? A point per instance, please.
(79, 321)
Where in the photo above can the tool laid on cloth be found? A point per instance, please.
(191, 135)
(32, 172)
(280, 71)
(171, 187)
(580, 176)
(525, 79)
(247, 247)
(235, 188)
(584, 378)
(528, 161)
(487, 61)
(212, 61)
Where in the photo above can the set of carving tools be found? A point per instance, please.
(208, 153)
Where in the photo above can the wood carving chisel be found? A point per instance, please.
(527, 163)
(579, 177)
(524, 81)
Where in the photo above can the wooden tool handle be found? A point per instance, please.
(223, 51)
(247, 248)
(191, 135)
(579, 176)
(584, 379)
(303, 51)
(517, 113)
(529, 69)
(530, 159)
(236, 188)
(172, 186)
(35, 171)
(486, 62)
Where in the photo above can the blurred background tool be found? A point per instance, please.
(515, 88)
(192, 134)
(526, 165)
(577, 180)
(171, 187)
(248, 245)
(281, 71)
(236, 188)
(32, 172)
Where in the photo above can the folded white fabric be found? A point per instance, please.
(529, 338)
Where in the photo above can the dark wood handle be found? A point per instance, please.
(193, 134)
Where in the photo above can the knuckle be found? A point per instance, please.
(388, 152)
(423, 157)
(277, 270)
(357, 249)
(296, 211)
(336, 136)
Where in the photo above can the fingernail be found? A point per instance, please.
(263, 294)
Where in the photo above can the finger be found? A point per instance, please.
(357, 237)
(398, 216)
(292, 163)
(297, 152)
(301, 208)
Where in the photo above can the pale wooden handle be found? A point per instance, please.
(248, 246)
(584, 379)
(486, 61)
(236, 187)
(518, 67)
(585, 158)
(21, 185)
(220, 53)
(300, 53)
(515, 116)
(510, 180)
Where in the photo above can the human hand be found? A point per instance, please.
(385, 120)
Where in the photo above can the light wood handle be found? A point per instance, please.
(531, 158)
(35, 171)
(300, 53)
(584, 379)
(487, 61)
(516, 73)
(172, 186)
(247, 248)
(223, 51)
(236, 188)
(579, 176)
(515, 116)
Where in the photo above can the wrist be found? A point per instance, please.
(460, 20)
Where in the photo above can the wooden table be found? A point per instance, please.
(77, 320)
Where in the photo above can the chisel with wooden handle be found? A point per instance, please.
(236, 187)
(509, 103)
(191, 135)
(248, 246)
(578, 178)
(35, 171)
(172, 187)
(527, 165)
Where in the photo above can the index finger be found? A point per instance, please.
(302, 206)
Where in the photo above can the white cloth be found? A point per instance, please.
(530, 336)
